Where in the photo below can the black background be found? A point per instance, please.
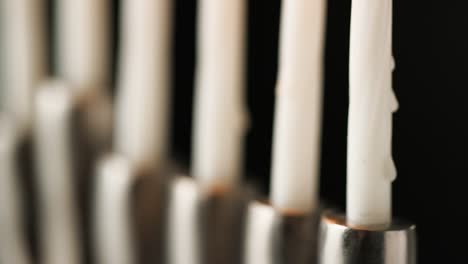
(430, 42)
(431, 63)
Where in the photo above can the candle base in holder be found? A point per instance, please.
(341, 244)
(273, 237)
(149, 205)
(130, 204)
(222, 216)
(204, 228)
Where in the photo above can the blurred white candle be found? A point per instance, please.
(59, 241)
(112, 212)
(219, 114)
(23, 56)
(372, 102)
(296, 141)
(144, 78)
(82, 42)
(13, 246)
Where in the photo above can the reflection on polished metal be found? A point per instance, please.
(148, 205)
(276, 238)
(221, 223)
(341, 244)
(204, 228)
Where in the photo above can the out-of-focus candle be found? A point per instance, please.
(59, 230)
(296, 142)
(13, 247)
(144, 78)
(113, 230)
(372, 102)
(82, 41)
(23, 56)
(219, 114)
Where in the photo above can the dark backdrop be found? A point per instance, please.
(430, 43)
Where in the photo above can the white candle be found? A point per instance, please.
(372, 102)
(219, 114)
(296, 141)
(23, 56)
(144, 78)
(83, 43)
(59, 232)
(113, 230)
(13, 246)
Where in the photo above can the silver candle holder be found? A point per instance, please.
(204, 227)
(274, 237)
(340, 243)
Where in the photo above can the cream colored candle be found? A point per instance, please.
(219, 114)
(142, 114)
(296, 140)
(13, 246)
(23, 56)
(372, 102)
(59, 229)
(112, 212)
(82, 42)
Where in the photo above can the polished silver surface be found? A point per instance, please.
(221, 221)
(341, 244)
(273, 237)
(204, 227)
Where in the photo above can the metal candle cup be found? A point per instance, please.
(341, 244)
(204, 227)
(274, 237)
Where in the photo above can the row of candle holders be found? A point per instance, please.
(126, 214)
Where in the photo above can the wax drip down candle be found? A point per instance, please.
(95, 167)
(296, 139)
(372, 102)
(368, 233)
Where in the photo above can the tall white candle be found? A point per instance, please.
(59, 241)
(23, 56)
(13, 246)
(372, 102)
(296, 142)
(82, 40)
(219, 115)
(113, 230)
(144, 78)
